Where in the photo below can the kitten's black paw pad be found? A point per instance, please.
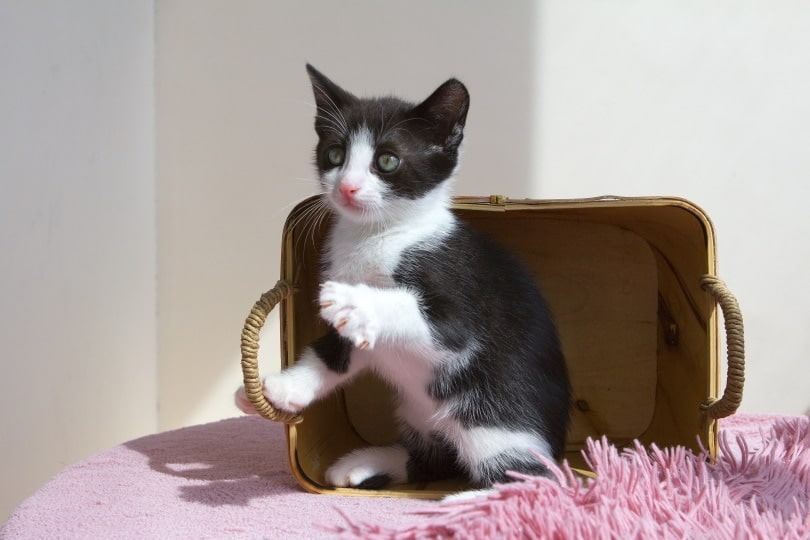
(375, 482)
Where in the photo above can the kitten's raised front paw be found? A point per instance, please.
(369, 468)
(349, 309)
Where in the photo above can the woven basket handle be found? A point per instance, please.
(250, 351)
(735, 343)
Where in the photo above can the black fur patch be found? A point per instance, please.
(334, 350)
(430, 459)
(479, 297)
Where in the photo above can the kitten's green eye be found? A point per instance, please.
(387, 162)
(336, 155)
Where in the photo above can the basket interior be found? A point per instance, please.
(622, 280)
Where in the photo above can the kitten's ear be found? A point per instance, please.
(329, 98)
(446, 109)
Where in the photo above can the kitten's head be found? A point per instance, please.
(380, 159)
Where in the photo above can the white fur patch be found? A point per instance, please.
(480, 444)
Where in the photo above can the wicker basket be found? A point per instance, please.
(631, 284)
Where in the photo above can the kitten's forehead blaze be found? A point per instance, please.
(360, 150)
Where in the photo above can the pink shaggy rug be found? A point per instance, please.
(230, 480)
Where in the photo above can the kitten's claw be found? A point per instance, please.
(350, 311)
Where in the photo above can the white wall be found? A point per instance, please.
(77, 235)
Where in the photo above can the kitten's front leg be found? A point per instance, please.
(364, 315)
(294, 388)
(321, 368)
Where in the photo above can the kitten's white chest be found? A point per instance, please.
(359, 255)
(362, 260)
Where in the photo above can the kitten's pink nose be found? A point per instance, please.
(349, 190)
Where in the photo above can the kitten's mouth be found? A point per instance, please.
(349, 204)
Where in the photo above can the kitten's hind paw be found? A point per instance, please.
(370, 468)
(349, 309)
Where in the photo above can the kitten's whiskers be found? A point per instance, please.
(309, 221)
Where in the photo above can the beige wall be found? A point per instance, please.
(77, 235)
(199, 116)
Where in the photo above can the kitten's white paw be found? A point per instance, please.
(349, 309)
(289, 391)
(356, 467)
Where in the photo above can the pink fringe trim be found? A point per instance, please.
(640, 493)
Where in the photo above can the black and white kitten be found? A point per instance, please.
(454, 323)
